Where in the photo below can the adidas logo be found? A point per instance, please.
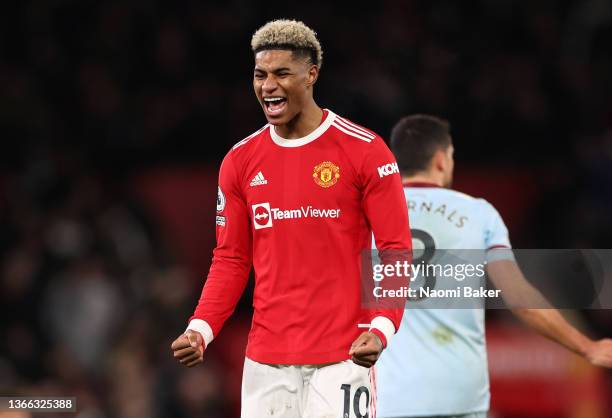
(258, 180)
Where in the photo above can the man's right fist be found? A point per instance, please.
(189, 348)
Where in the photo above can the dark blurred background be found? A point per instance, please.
(115, 115)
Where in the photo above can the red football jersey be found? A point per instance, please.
(302, 211)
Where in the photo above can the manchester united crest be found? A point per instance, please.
(326, 174)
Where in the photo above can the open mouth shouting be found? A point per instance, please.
(275, 105)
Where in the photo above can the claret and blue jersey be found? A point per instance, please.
(436, 364)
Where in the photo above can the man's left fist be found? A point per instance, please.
(366, 349)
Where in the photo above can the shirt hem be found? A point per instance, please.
(431, 413)
(298, 358)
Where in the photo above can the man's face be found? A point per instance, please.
(282, 84)
(450, 166)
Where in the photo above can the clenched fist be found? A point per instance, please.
(189, 348)
(366, 349)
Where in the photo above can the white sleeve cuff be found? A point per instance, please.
(384, 325)
(203, 328)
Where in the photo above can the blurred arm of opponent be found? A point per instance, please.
(517, 292)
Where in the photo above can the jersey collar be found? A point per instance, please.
(420, 184)
(298, 142)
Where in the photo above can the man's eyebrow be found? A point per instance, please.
(276, 70)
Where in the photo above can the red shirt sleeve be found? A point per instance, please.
(385, 208)
(232, 257)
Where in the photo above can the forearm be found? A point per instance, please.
(220, 294)
(551, 324)
(522, 298)
(387, 316)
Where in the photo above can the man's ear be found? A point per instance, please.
(313, 75)
(438, 162)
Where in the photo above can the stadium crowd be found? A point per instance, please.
(89, 298)
(95, 93)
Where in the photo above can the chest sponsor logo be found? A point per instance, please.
(388, 169)
(326, 174)
(264, 215)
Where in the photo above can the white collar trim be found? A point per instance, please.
(298, 142)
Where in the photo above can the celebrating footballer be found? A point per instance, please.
(299, 200)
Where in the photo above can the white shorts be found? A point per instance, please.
(472, 415)
(337, 390)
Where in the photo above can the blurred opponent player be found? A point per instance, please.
(421, 374)
(298, 200)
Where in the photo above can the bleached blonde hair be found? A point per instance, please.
(288, 34)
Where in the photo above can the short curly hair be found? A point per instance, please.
(291, 35)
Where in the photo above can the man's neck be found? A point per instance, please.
(422, 178)
(303, 123)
